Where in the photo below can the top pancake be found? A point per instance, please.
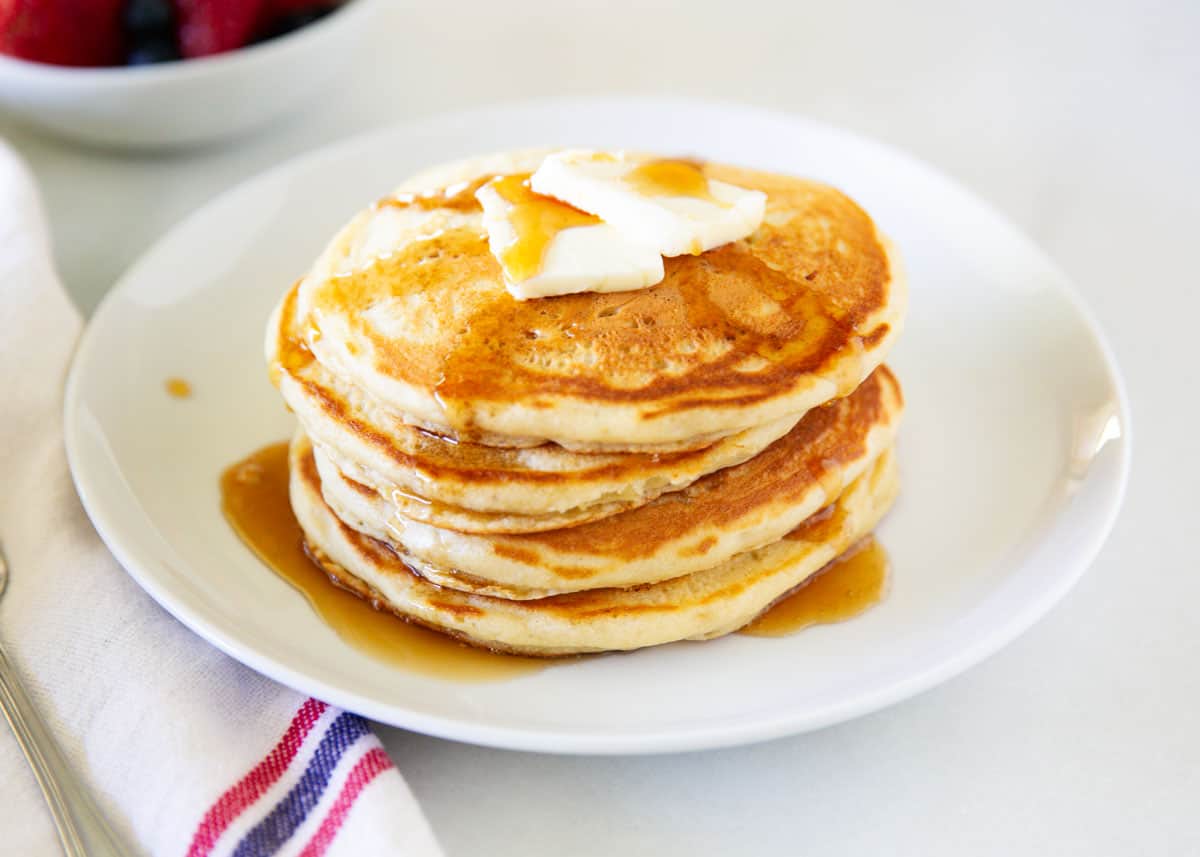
(408, 303)
(475, 487)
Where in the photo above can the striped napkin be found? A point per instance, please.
(188, 752)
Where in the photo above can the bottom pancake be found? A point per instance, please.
(696, 606)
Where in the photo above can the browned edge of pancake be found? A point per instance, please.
(573, 604)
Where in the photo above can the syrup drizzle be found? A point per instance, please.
(671, 178)
(537, 220)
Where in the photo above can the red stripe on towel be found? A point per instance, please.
(373, 763)
(252, 786)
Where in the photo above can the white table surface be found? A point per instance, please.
(1080, 121)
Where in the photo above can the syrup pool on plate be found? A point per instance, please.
(847, 587)
(254, 498)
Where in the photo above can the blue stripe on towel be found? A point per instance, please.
(269, 835)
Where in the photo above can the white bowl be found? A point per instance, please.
(190, 102)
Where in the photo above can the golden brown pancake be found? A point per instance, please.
(520, 489)
(729, 512)
(409, 304)
(589, 472)
(697, 606)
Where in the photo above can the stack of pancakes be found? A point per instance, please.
(595, 471)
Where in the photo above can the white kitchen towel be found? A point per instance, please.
(189, 752)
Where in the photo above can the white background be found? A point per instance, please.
(1081, 122)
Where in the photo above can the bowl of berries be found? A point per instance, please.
(170, 73)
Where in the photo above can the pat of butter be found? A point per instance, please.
(548, 248)
(668, 204)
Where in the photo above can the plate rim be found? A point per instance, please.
(132, 560)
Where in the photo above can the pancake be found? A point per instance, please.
(697, 606)
(408, 304)
(421, 469)
(413, 507)
(729, 512)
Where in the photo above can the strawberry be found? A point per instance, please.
(215, 26)
(63, 32)
(284, 16)
(276, 8)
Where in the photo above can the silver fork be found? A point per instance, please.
(81, 826)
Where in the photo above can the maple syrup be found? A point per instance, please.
(254, 498)
(847, 587)
(456, 197)
(670, 178)
(178, 388)
(537, 220)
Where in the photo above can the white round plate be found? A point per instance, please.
(1014, 451)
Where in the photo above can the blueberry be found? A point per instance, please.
(148, 16)
(152, 49)
(292, 21)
